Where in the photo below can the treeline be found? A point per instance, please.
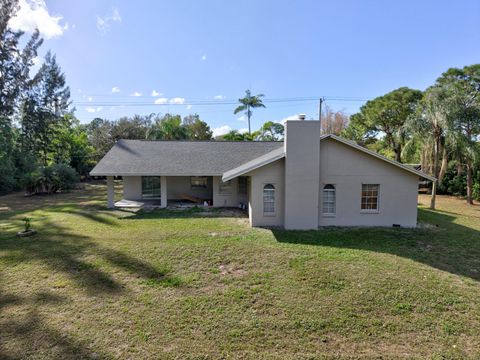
(438, 128)
(102, 134)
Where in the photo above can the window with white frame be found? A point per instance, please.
(328, 200)
(370, 196)
(269, 199)
(198, 181)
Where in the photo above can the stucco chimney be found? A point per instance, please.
(302, 174)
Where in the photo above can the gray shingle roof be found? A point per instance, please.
(254, 164)
(182, 158)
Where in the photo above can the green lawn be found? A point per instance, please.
(95, 283)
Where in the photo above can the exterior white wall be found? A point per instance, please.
(347, 168)
(132, 188)
(302, 150)
(230, 199)
(179, 185)
(274, 174)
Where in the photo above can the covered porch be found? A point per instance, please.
(179, 191)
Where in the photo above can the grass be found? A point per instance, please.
(95, 283)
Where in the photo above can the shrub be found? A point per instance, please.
(476, 191)
(67, 176)
(27, 224)
(50, 179)
(7, 171)
(453, 184)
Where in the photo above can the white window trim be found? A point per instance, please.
(325, 214)
(370, 211)
(274, 213)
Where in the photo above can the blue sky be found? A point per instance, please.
(188, 53)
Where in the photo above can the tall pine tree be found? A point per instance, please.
(15, 64)
(45, 109)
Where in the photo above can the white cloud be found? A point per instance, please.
(161, 101)
(174, 101)
(177, 100)
(33, 14)
(115, 89)
(242, 118)
(93, 110)
(189, 107)
(136, 94)
(243, 130)
(222, 130)
(203, 58)
(103, 23)
(155, 93)
(219, 97)
(89, 99)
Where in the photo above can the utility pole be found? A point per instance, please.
(248, 117)
(320, 102)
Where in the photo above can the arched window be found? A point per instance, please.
(269, 199)
(328, 200)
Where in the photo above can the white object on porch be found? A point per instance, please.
(129, 204)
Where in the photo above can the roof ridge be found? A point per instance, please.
(203, 141)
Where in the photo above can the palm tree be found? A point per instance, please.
(430, 129)
(249, 102)
(463, 102)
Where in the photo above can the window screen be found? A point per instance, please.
(269, 199)
(328, 199)
(370, 194)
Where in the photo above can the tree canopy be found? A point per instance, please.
(387, 115)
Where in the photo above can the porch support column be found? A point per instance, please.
(163, 191)
(110, 192)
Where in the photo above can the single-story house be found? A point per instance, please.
(304, 182)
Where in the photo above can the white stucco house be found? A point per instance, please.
(304, 182)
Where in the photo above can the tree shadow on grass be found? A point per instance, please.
(94, 213)
(444, 245)
(62, 251)
(25, 329)
(26, 334)
(68, 252)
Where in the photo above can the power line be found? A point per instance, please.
(214, 102)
